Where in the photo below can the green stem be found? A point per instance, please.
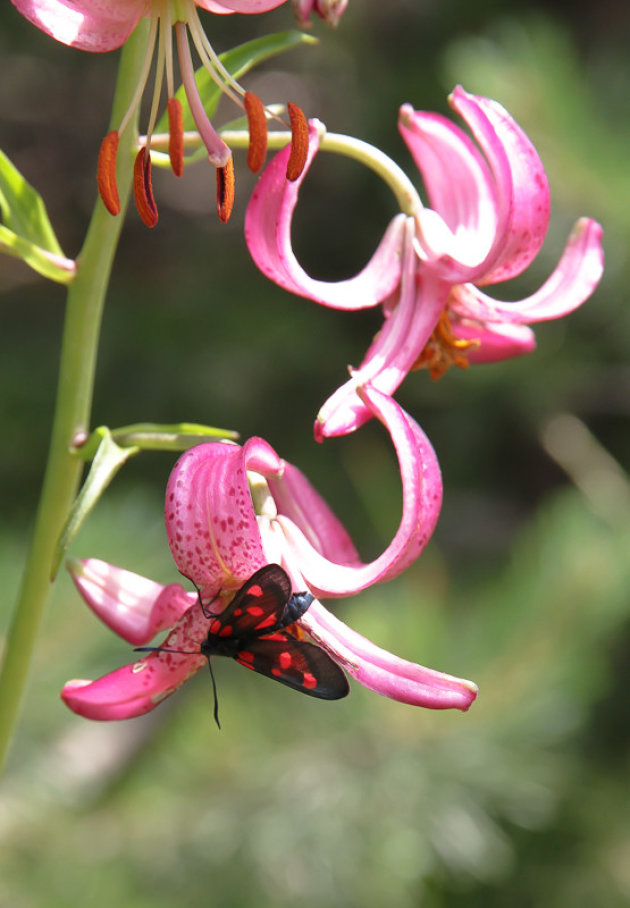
(77, 366)
(366, 154)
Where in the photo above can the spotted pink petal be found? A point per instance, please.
(210, 521)
(138, 688)
(134, 607)
(132, 690)
(381, 671)
(422, 499)
(268, 235)
(92, 25)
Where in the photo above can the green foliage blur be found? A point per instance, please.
(525, 587)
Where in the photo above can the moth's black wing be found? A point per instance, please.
(257, 607)
(298, 664)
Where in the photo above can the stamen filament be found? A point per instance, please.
(157, 86)
(218, 152)
(166, 37)
(210, 59)
(144, 75)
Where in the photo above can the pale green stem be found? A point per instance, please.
(77, 366)
(360, 151)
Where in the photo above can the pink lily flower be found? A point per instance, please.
(330, 11)
(488, 218)
(230, 510)
(104, 25)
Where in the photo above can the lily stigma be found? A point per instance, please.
(181, 17)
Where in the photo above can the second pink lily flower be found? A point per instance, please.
(488, 218)
(230, 510)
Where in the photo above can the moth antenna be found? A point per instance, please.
(204, 608)
(163, 649)
(216, 699)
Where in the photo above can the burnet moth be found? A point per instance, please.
(253, 630)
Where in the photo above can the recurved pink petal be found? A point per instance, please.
(497, 340)
(210, 520)
(575, 277)
(93, 25)
(268, 235)
(489, 213)
(522, 189)
(136, 689)
(381, 671)
(239, 6)
(132, 690)
(456, 233)
(411, 316)
(295, 498)
(134, 607)
(422, 499)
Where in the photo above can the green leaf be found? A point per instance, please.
(48, 264)
(26, 232)
(174, 437)
(237, 61)
(108, 459)
(23, 209)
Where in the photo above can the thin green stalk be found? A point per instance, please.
(86, 297)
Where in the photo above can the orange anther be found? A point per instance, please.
(257, 122)
(106, 172)
(143, 190)
(176, 136)
(299, 142)
(225, 190)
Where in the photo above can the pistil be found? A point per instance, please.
(444, 350)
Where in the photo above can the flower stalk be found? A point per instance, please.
(85, 301)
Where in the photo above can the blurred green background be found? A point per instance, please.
(525, 587)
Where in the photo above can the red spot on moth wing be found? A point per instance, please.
(255, 611)
(245, 656)
(309, 681)
(246, 664)
(255, 590)
(285, 659)
(226, 631)
(269, 621)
